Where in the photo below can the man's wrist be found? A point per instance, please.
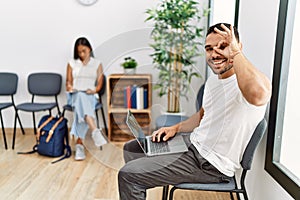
(177, 127)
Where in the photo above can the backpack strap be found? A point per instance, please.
(34, 149)
(53, 129)
(38, 132)
(67, 155)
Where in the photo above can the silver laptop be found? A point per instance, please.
(150, 148)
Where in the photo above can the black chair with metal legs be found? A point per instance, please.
(41, 84)
(99, 106)
(232, 186)
(8, 87)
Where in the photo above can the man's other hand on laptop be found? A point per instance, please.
(163, 134)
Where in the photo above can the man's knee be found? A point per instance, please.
(130, 172)
(126, 176)
(129, 187)
(121, 176)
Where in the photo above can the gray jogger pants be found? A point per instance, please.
(141, 173)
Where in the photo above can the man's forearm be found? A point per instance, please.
(191, 123)
(254, 85)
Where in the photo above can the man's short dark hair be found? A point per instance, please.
(218, 26)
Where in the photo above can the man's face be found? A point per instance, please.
(220, 64)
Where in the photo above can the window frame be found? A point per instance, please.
(277, 105)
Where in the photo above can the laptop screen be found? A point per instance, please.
(136, 129)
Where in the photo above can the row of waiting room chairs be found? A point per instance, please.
(39, 84)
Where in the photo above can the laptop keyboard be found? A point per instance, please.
(158, 147)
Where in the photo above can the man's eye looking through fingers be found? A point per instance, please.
(223, 46)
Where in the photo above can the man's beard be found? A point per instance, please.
(226, 69)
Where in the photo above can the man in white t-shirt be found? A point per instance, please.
(234, 102)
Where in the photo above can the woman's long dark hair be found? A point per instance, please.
(82, 41)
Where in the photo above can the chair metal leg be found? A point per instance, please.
(21, 126)
(58, 110)
(165, 192)
(34, 126)
(104, 121)
(245, 195)
(14, 135)
(97, 118)
(63, 113)
(98, 125)
(231, 196)
(3, 130)
(172, 193)
(238, 196)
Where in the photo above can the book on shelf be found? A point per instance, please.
(140, 98)
(135, 97)
(127, 98)
(145, 96)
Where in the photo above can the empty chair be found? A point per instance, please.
(8, 87)
(99, 105)
(41, 84)
(231, 186)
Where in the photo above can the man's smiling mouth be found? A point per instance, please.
(219, 61)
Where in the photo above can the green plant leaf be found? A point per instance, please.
(177, 42)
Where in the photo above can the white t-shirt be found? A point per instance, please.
(84, 76)
(227, 125)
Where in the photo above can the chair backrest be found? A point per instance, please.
(8, 83)
(253, 143)
(200, 97)
(44, 84)
(102, 90)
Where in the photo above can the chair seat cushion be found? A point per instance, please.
(209, 186)
(5, 105)
(35, 107)
(98, 106)
(168, 120)
(68, 107)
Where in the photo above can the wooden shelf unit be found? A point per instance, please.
(117, 128)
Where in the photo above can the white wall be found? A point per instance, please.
(39, 36)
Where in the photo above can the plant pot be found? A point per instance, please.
(182, 113)
(129, 70)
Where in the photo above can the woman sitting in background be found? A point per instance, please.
(82, 73)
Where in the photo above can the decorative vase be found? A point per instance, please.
(182, 113)
(129, 70)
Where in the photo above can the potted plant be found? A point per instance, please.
(177, 38)
(129, 65)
